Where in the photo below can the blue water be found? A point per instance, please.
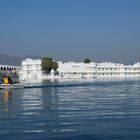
(72, 110)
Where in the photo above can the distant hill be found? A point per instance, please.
(14, 60)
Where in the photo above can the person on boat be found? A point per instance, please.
(10, 80)
(7, 80)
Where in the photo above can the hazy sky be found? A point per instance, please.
(102, 30)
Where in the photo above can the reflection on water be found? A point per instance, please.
(94, 110)
(6, 96)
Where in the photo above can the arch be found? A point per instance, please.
(10, 68)
(1, 68)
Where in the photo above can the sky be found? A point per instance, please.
(102, 30)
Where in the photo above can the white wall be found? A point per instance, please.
(31, 70)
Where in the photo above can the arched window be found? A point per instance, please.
(1, 68)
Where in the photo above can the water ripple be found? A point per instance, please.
(70, 109)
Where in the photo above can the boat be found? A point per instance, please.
(11, 86)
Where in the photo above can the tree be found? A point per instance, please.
(87, 60)
(1, 75)
(54, 65)
(47, 64)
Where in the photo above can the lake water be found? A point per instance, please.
(72, 110)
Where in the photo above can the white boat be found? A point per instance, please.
(11, 86)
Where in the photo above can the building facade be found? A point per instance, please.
(31, 70)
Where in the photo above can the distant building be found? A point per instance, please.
(5, 69)
(31, 70)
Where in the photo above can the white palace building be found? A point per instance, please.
(31, 70)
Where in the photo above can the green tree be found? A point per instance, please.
(1, 75)
(54, 65)
(47, 64)
(87, 60)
